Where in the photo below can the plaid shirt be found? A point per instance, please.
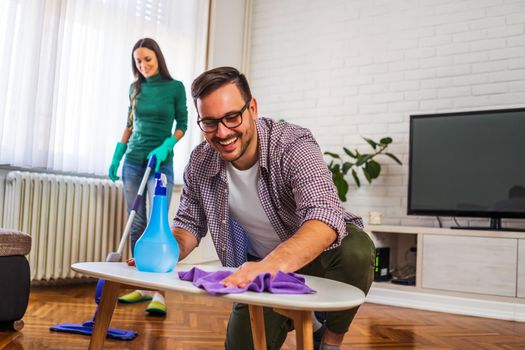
(295, 186)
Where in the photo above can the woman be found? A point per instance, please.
(156, 101)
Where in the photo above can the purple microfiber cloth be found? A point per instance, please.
(281, 283)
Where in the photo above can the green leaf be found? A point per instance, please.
(356, 179)
(394, 158)
(346, 167)
(341, 186)
(333, 155)
(367, 175)
(347, 151)
(371, 142)
(385, 140)
(373, 169)
(363, 159)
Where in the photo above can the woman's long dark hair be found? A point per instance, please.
(163, 68)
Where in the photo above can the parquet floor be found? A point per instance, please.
(200, 323)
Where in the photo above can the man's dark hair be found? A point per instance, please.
(215, 78)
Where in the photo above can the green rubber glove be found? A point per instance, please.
(115, 162)
(162, 151)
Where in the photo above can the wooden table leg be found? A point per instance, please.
(105, 311)
(302, 321)
(257, 323)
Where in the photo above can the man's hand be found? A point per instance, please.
(289, 256)
(247, 273)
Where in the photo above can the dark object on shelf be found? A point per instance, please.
(409, 281)
(382, 263)
(405, 275)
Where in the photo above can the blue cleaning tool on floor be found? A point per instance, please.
(87, 327)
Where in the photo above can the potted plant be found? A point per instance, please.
(371, 169)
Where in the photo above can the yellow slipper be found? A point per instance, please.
(133, 297)
(156, 308)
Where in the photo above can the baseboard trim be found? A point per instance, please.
(445, 303)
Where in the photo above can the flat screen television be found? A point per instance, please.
(468, 164)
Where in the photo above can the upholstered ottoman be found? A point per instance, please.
(14, 277)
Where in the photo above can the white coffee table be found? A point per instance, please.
(330, 296)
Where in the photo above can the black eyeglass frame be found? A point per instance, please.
(221, 120)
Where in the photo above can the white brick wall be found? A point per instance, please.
(351, 68)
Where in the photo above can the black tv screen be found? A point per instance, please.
(468, 164)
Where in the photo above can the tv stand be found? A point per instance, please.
(495, 225)
(470, 271)
(485, 228)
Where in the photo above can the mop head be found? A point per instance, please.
(86, 328)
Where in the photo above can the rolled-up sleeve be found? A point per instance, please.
(312, 186)
(190, 215)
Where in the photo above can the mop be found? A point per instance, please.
(87, 327)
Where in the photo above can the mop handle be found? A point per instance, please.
(136, 204)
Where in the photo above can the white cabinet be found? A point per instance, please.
(470, 272)
(484, 265)
(521, 268)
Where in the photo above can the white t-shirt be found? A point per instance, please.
(247, 210)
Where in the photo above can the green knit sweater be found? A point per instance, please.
(158, 104)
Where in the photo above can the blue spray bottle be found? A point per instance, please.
(157, 250)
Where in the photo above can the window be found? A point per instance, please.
(66, 68)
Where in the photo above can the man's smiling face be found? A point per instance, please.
(237, 145)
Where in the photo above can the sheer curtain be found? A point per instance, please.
(66, 69)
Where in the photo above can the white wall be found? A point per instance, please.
(351, 68)
(228, 35)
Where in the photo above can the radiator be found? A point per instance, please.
(70, 219)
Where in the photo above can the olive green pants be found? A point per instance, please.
(352, 262)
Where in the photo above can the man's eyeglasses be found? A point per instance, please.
(230, 120)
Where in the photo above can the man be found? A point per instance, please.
(265, 193)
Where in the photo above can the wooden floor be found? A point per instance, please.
(200, 323)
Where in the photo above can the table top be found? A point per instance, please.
(330, 296)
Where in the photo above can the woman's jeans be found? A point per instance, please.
(132, 174)
(352, 263)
